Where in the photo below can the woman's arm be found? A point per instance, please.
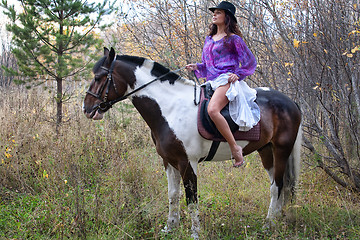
(246, 58)
(200, 68)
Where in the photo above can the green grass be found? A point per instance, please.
(104, 180)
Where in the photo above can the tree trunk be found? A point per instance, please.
(59, 78)
(59, 103)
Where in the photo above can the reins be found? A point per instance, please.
(196, 82)
(106, 105)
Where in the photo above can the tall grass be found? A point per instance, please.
(104, 180)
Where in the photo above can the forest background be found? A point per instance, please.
(91, 181)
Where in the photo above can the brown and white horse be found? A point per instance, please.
(166, 103)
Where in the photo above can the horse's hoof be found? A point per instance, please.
(266, 226)
(195, 236)
(269, 225)
(166, 230)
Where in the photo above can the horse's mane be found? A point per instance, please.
(157, 70)
(131, 60)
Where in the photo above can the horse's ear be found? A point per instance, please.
(106, 51)
(111, 54)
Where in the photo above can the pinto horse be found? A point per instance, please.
(166, 103)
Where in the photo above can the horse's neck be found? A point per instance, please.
(163, 91)
(166, 94)
(162, 102)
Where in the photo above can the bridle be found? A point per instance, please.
(108, 82)
(105, 104)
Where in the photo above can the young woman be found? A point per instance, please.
(226, 61)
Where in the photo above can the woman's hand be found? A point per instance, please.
(191, 67)
(233, 78)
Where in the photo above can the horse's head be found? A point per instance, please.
(111, 80)
(116, 75)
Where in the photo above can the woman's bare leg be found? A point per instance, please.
(216, 104)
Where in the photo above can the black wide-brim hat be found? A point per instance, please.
(228, 7)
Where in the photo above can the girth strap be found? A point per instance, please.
(213, 149)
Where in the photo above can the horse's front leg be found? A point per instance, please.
(189, 178)
(174, 178)
(188, 174)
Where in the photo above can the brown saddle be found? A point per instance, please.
(207, 128)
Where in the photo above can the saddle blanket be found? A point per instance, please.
(207, 128)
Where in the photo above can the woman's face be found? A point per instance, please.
(218, 17)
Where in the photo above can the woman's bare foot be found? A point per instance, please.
(238, 156)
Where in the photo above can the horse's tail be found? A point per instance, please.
(292, 171)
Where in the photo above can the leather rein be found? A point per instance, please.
(105, 104)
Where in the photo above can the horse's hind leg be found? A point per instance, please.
(174, 179)
(279, 187)
(267, 158)
(274, 160)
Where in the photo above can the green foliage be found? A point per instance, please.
(51, 38)
(55, 40)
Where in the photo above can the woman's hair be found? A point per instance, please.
(231, 26)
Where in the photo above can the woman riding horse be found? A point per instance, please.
(223, 52)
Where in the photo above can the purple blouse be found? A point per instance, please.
(226, 55)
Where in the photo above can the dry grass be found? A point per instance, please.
(104, 180)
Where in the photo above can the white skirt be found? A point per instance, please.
(242, 107)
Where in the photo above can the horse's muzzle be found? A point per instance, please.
(95, 114)
(98, 115)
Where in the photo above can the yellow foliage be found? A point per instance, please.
(355, 49)
(45, 174)
(354, 32)
(296, 43)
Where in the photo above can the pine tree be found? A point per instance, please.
(54, 40)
